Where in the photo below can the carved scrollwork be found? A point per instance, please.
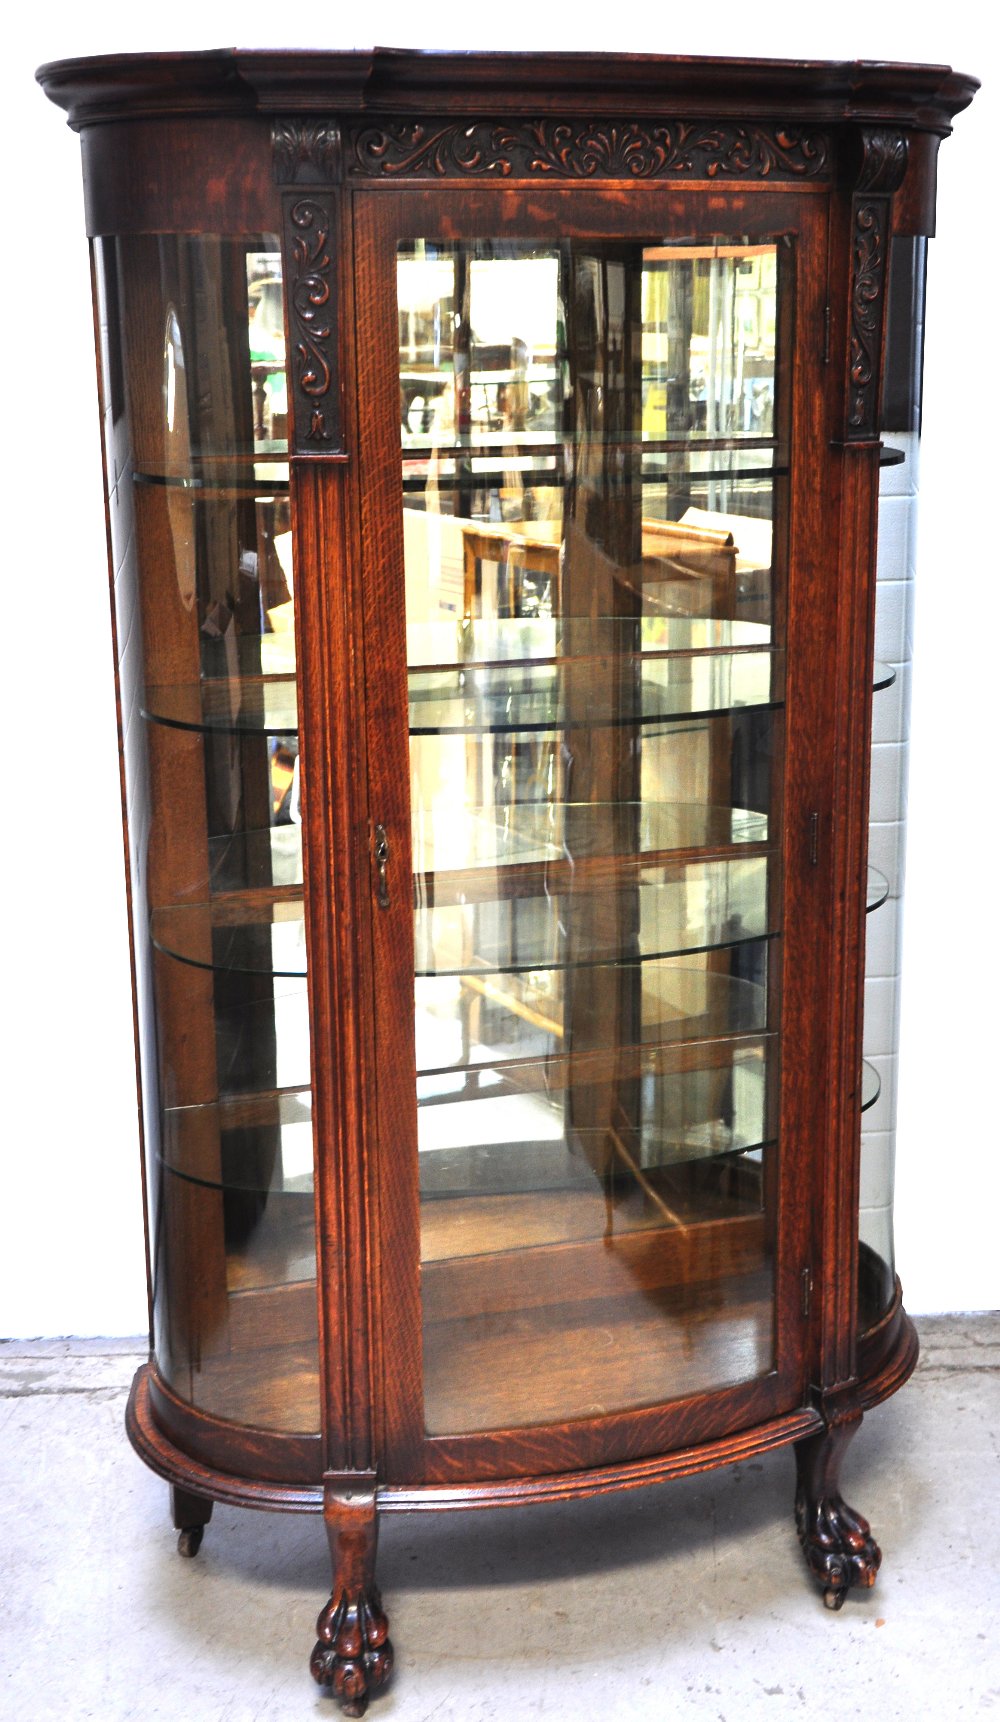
(353, 1654)
(883, 165)
(419, 149)
(586, 149)
(867, 291)
(310, 303)
(884, 159)
(305, 152)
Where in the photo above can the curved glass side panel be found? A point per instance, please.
(195, 429)
(890, 732)
(594, 442)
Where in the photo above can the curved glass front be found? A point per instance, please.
(594, 443)
(194, 399)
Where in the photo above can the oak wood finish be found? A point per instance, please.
(836, 1540)
(353, 1654)
(342, 157)
(896, 1363)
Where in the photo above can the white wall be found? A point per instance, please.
(70, 1230)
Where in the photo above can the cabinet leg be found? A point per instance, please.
(191, 1514)
(837, 1541)
(353, 1655)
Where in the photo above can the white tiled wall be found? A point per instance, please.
(887, 849)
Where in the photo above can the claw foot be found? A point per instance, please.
(838, 1545)
(353, 1655)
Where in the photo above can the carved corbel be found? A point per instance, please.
(883, 165)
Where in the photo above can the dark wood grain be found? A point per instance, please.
(730, 1322)
(149, 1432)
(405, 81)
(353, 1654)
(225, 1446)
(836, 1540)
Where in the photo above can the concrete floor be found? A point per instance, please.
(689, 1600)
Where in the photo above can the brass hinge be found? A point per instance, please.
(807, 1283)
(826, 334)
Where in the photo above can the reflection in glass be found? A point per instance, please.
(594, 446)
(204, 589)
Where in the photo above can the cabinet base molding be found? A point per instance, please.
(890, 1353)
(353, 1654)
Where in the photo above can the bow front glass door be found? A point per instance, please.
(594, 447)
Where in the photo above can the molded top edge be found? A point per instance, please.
(245, 81)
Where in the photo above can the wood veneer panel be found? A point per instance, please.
(205, 176)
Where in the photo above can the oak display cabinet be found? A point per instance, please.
(492, 451)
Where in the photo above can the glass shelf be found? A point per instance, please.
(267, 863)
(590, 693)
(891, 456)
(531, 1168)
(560, 1071)
(883, 676)
(524, 1037)
(877, 890)
(260, 473)
(512, 640)
(871, 1085)
(245, 938)
(530, 834)
(528, 1144)
(259, 1143)
(657, 912)
(588, 1156)
(507, 697)
(694, 443)
(492, 450)
(230, 705)
(263, 1143)
(635, 920)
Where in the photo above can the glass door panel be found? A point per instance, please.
(595, 455)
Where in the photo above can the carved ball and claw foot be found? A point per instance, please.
(838, 1544)
(353, 1655)
(191, 1514)
(836, 1540)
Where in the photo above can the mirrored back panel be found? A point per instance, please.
(595, 445)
